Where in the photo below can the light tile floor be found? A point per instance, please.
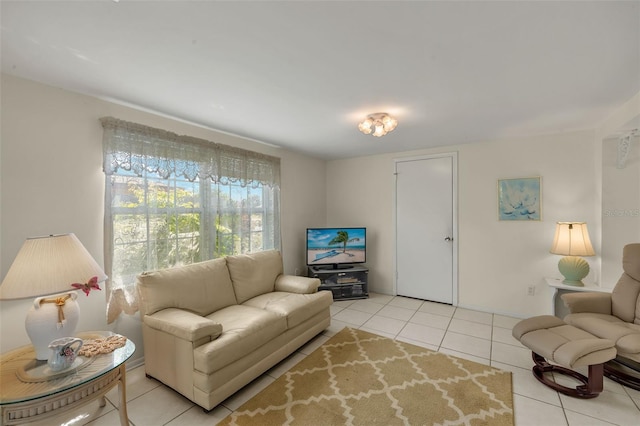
(478, 336)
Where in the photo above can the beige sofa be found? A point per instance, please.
(210, 328)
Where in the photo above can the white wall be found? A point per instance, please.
(51, 182)
(498, 261)
(620, 197)
(620, 206)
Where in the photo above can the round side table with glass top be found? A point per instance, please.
(31, 392)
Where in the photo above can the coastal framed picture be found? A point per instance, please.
(520, 199)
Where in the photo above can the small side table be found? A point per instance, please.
(23, 402)
(557, 307)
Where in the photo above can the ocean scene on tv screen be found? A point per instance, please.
(336, 245)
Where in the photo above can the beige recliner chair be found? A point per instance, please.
(614, 316)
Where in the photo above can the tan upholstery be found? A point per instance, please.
(594, 303)
(557, 348)
(564, 344)
(255, 274)
(295, 308)
(210, 328)
(184, 324)
(205, 287)
(614, 316)
(293, 284)
(245, 330)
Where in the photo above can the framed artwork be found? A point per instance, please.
(520, 199)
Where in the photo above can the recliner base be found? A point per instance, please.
(624, 371)
(590, 388)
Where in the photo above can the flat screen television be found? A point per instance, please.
(336, 247)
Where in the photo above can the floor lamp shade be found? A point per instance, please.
(572, 241)
(46, 268)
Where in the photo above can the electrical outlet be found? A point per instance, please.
(298, 271)
(531, 291)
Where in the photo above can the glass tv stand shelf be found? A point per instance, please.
(345, 283)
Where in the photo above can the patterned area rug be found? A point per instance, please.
(359, 378)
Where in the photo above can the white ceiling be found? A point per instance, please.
(301, 74)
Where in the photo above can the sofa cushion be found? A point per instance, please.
(244, 329)
(183, 324)
(296, 308)
(296, 284)
(201, 288)
(254, 274)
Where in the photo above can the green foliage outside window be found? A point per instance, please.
(163, 223)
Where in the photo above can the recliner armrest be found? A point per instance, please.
(183, 324)
(296, 284)
(597, 303)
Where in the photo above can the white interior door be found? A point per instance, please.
(425, 228)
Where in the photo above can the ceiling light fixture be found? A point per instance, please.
(378, 124)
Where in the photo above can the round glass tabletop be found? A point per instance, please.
(24, 378)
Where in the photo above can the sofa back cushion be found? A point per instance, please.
(254, 274)
(201, 288)
(625, 298)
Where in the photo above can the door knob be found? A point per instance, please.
(448, 239)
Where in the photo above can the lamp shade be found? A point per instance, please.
(572, 239)
(49, 265)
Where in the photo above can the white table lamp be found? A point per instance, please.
(572, 241)
(46, 268)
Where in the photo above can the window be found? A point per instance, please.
(174, 200)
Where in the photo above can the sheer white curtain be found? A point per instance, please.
(173, 199)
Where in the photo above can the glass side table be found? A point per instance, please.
(27, 398)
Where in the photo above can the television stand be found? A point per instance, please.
(333, 267)
(344, 283)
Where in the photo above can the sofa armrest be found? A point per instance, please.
(183, 324)
(598, 303)
(296, 284)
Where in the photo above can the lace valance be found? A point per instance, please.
(138, 148)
